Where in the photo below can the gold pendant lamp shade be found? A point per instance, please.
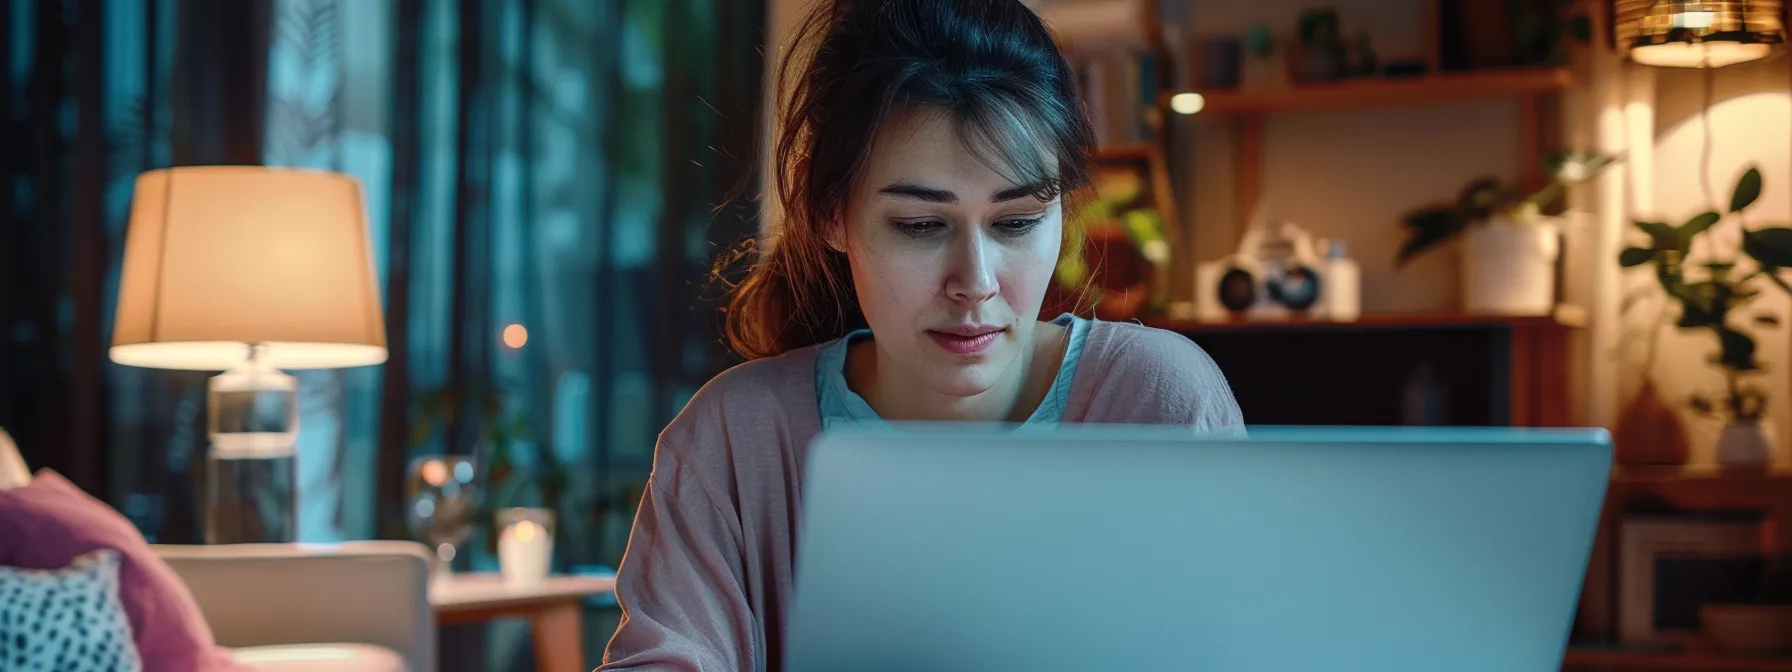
(1698, 33)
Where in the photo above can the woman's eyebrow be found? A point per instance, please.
(920, 193)
(1022, 191)
(933, 195)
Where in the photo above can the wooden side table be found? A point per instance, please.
(551, 606)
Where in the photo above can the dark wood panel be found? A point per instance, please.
(87, 390)
(1356, 377)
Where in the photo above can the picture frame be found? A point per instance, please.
(1645, 541)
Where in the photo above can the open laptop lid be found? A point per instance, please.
(1107, 547)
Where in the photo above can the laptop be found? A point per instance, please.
(1145, 548)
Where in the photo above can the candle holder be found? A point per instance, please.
(525, 545)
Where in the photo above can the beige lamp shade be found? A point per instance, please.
(221, 258)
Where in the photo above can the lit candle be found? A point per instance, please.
(524, 552)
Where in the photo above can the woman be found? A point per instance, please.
(925, 150)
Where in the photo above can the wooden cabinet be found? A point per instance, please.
(1491, 370)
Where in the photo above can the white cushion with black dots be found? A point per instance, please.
(66, 620)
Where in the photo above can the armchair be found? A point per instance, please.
(353, 607)
(304, 606)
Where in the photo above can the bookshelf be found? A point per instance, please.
(1384, 92)
(1690, 488)
(1536, 90)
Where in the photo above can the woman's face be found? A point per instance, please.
(951, 260)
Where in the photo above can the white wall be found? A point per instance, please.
(1349, 174)
(1751, 123)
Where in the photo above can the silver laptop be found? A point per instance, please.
(1130, 548)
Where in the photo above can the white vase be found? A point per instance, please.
(1510, 269)
(1744, 443)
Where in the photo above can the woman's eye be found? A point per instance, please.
(921, 228)
(1018, 227)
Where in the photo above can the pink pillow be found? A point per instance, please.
(47, 524)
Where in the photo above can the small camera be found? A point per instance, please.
(1277, 273)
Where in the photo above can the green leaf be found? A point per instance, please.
(1738, 352)
(1482, 197)
(1697, 225)
(1771, 246)
(1748, 188)
(1768, 319)
(1429, 228)
(1694, 316)
(1701, 304)
(1663, 236)
(1635, 256)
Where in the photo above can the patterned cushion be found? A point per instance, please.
(65, 620)
(46, 524)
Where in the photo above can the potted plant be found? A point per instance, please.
(1711, 297)
(1122, 249)
(1510, 242)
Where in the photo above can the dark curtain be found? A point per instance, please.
(97, 92)
(559, 183)
(560, 175)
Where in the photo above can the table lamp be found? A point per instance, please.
(248, 270)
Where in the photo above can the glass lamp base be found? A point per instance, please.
(251, 501)
(251, 490)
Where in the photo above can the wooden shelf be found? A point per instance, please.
(1777, 475)
(1566, 316)
(1385, 91)
(1598, 660)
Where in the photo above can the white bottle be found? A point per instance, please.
(1343, 284)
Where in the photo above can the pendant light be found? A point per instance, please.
(1697, 33)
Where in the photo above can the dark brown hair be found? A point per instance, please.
(990, 65)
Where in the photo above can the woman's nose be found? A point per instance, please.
(973, 277)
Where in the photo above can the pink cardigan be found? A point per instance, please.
(706, 581)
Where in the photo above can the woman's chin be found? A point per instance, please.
(967, 380)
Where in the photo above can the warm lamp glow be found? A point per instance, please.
(1187, 103)
(219, 258)
(1708, 54)
(1698, 33)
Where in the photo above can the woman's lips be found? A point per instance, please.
(965, 345)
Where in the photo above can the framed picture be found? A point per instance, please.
(1668, 565)
(1125, 226)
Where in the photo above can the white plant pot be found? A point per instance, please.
(1509, 269)
(1744, 443)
